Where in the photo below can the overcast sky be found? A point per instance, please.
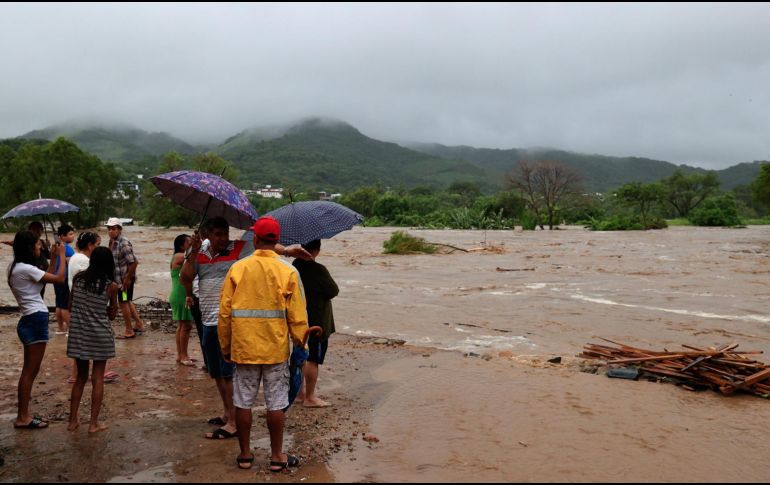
(685, 83)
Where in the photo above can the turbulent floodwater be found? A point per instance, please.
(656, 287)
(531, 295)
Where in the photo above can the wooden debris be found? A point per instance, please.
(721, 369)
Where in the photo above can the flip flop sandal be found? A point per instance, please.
(241, 461)
(125, 337)
(221, 434)
(279, 466)
(36, 423)
(218, 421)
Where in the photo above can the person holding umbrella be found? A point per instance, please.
(320, 288)
(26, 281)
(210, 266)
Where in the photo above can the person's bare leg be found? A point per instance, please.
(184, 339)
(77, 393)
(73, 372)
(97, 395)
(225, 388)
(60, 321)
(125, 310)
(310, 372)
(243, 419)
(275, 424)
(178, 339)
(33, 357)
(136, 317)
(65, 316)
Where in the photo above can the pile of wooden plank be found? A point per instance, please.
(722, 368)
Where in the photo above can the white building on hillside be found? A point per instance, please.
(270, 192)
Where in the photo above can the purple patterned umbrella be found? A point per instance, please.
(207, 194)
(40, 207)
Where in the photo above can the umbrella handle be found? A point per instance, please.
(205, 211)
(316, 330)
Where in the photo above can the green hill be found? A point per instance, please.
(326, 154)
(332, 155)
(600, 173)
(119, 143)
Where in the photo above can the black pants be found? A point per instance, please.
(195, 309)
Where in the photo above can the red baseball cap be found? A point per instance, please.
(267, 229)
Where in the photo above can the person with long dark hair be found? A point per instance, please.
(26, 282)
(94, 304)
(180, 312)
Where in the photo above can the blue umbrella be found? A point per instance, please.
(207, 194)
(41, 207)
(302, 222)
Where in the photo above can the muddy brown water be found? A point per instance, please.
(443, 414)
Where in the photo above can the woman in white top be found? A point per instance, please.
(26, 280)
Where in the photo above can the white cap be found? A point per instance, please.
(113, 221)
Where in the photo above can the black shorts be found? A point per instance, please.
(62, 291)
(317, 348)
(129, 294)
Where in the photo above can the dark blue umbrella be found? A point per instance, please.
(299, 355)
(207, 194)
(41, 207)
(302, 222)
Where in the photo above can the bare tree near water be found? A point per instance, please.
(545, 184)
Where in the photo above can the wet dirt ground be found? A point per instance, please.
(470, 397)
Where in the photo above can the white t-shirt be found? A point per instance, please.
(26, 287)
(78, 263)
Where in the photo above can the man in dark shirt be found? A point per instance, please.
(320, 288)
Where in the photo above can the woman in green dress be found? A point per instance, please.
(179, 310)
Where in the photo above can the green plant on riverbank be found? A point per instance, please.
(402, 243)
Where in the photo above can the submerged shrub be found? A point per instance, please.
(716, 211)
(402, 243)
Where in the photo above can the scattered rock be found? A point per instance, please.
(555, 360)
(381, 341)
(506, 354)
(370, 438)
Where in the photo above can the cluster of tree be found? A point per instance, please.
(549, 193)
(30, 169)
(460, 206)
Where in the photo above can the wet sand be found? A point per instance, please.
(470, 397)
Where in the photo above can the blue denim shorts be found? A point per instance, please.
(33, 328)
(212, 353)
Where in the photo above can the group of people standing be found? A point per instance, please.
(86, 288)
(247, 304)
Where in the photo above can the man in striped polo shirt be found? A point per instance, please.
(211, 266)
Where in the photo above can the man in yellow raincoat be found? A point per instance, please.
(261, 306)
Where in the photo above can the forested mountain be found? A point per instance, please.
(600, 173)
(325, 154)
(332, 155)
(117, 143)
